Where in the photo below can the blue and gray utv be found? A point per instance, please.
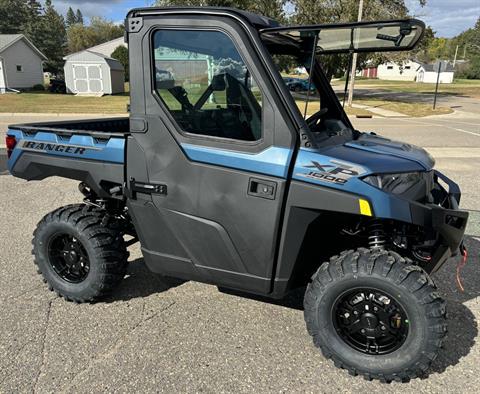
(223, 180)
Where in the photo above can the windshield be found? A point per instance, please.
(297, 51)
(386, 36)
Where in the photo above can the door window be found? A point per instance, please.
(205, 84)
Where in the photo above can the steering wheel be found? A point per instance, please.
(313, 120)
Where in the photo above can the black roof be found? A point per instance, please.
(256, 20)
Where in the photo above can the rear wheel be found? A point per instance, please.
(375, 314)
(80, 252)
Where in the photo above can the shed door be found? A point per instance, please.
(87, 78)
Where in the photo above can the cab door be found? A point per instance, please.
(210, 152)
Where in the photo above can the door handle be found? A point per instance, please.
(262, 188)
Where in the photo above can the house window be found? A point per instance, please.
(19, 68)
(407, 67)
(389, 67)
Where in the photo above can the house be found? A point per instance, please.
(21, 63)
(404, 71)
(92, 73)
(413, 70)
(428, 73)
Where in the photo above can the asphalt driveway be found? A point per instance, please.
(153, 335)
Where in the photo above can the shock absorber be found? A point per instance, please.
(376, 235)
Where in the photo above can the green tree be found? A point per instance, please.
(33, 28)
(81, 37)
(71, 18)
(54, 38)
(79, 17)
(422, 51)
(105, 30)
(469, 49)
(13, 16)
(121, 54)
(271, 8)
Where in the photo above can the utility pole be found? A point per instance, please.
(455, 58)
(436, 86)
(354, 61)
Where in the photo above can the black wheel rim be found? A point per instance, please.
(370, 321)
(68, 258)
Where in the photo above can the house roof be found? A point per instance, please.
(7, 40)
(98, 48)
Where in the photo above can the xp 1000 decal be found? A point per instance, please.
(332, 171)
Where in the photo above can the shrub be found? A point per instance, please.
(38, 87)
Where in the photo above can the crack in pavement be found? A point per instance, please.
(15, 296)
(40, 370)
(113, 349)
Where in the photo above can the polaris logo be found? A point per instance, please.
(54, 147)
(336, 172)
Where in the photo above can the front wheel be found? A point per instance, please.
(375, 314)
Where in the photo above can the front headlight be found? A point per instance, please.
(394, 183)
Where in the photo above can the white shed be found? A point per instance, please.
(404, 71)
(428, 73)
(92, 73)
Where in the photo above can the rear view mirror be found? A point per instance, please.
(399, 35)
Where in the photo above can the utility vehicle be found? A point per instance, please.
(223, 180)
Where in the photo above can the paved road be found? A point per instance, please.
(454, 141)
(188, 337)
(455, 101)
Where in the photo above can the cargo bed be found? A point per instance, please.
(92, 151)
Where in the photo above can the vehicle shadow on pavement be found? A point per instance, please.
(141, 282)
(293, 300)
(462, 325)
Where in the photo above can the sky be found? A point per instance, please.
(446, 17)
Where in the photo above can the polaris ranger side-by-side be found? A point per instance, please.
(224, 181)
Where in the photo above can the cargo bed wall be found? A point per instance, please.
(95, 157)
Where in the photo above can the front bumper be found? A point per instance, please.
(444, 218)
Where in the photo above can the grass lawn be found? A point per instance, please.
(44, 102)
(410, 109)
(314, 106)
(39, 102)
